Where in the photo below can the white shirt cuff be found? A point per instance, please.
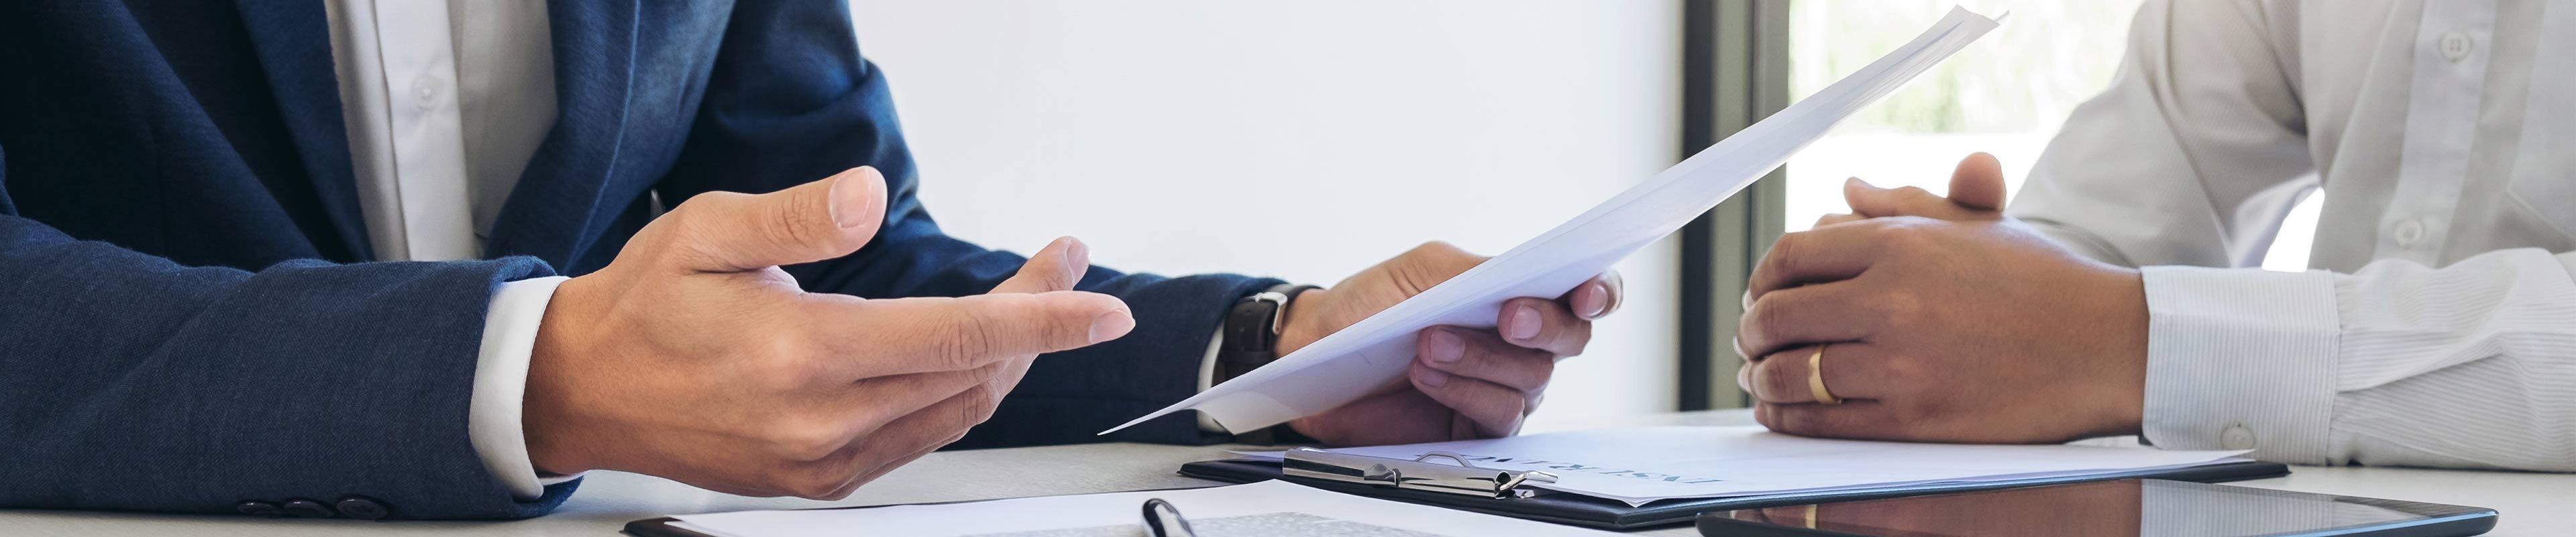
(2241, 359)
(1207, 378)
(501, 380)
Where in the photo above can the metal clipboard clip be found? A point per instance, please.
(1419, 474)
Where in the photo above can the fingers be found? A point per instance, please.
(878, 401)
(1493, 409)
(947, 334)
(1424, 266)
(1818, 255)
(1800, 316)
(1978, 183)
(1597, 298)
(1866, 420)
(1055, 268)
(1852, 371)
(1543, 324)
(731, 232)
(1836, 218)
(1976, 193)
(898, 442)
(1870, 201)
(1478, 354)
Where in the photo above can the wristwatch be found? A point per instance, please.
(1250, 340)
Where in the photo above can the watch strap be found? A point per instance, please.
(1250, 339)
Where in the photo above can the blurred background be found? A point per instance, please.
(1309, 140)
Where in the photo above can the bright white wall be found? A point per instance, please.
(1303, 140)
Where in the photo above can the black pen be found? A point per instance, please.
(1163, 520)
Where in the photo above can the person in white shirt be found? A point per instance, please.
(2118, 294)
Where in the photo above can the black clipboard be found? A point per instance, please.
(1592, 512)
(1586, 511)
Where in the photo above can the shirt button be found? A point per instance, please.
(307, 508)
(2236, 437)
(2409, 232)
(426, 93)
(2456, 46)
(257, 508)
(361, 508)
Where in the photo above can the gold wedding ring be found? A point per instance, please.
(1816, 378)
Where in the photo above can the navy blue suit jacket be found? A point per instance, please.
(188, 317)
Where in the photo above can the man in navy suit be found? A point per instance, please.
(411, 260)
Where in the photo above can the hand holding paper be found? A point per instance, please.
(1464, 382)
(1354, 361)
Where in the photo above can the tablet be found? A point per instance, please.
(2125, 507)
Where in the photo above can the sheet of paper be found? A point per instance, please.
(1349, 364)
(1640, 465)
(1264, 509)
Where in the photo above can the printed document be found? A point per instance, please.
(1357, 360)
(1264, 509)
(1640, 465)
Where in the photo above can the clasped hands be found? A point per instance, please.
(692, 356)
(1941, 319)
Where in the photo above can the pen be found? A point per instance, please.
(1163, 520)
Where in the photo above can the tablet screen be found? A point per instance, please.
(2127, 507)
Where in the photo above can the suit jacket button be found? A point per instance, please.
(361, 507)
(307, 508)
(257, 508)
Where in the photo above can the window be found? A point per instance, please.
(2005, 95)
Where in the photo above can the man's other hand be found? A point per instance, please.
(1464, 382)
(693, 357)
(1942, 320)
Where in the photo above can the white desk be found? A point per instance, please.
(2532, 504)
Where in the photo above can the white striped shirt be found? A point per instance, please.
(2438, 325)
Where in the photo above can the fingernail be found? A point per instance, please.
(1431, 377)
(1075, 252)
(1442, 347)
(1595, 299)
(1522, 325)
(849, 202)
(1110, 325)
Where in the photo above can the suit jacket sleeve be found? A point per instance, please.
(790, 100)
(129, 382)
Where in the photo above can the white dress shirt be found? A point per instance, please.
(2437, 326)
(445, 102)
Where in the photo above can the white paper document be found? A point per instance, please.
(1640, 465)
(1264, 509)
(1351, 363)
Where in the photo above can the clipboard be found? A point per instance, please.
(1466, 487)
(1506, 493)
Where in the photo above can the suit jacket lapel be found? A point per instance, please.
(293, 41)
(557, 207)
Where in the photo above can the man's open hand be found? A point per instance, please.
(693, 357)
(1943, 320)
(1464, 382)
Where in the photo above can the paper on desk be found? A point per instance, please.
(1640, 465)
(1350, 363)
(1264, 509)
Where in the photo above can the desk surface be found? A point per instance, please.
(2531, 503)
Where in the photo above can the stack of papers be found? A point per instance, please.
(1351, 363)
(1640, 465)
(1264, 509)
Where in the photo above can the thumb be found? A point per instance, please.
(731, 232)
(1978, 183)
(1055, 268)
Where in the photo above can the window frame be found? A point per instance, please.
(1735, 71)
